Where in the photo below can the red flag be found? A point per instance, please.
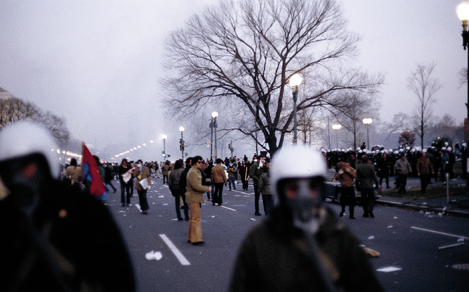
(91, 173)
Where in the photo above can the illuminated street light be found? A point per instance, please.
(295, 81)
(367, 122)
(337, 128)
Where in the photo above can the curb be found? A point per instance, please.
(443, 210)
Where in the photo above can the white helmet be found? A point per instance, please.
(297, 161)
(26, 137)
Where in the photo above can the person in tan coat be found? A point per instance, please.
(195, 196)
(218, 179)
(142, 173)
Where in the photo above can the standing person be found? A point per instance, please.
(165, 171)
(402, 168)
(218, 179)
(208, 179)
(266, 191)
(74, 173)
(243, 173)
(383, 169)
(232, 174)
(142, 184)
(108, 175)
(195, 196)
(301, 246)
(173, 183)
(346, 176)
(125, 175)
(53, 235)
(255, 173)
(365, 177)
(424, 171)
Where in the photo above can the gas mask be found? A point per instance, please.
(303, 196)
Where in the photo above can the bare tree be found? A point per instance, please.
(14, 109)
(350, 110)
(244, 52)
(407, 138)
(424, 86)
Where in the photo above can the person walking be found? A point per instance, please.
(301, 246)
(142, 184)
(244, 174)
(125, 179)
(178, 194)
(365, 177)
(218, 179)
(346, 176)
(74, 174)
(402, 168)
(424, 171)
(109, 175)
(232, 175)
(266, 191)
(208, 179)
(165, 171)
(195, 196)
(383, 169)
(255, 172)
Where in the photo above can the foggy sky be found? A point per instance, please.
(97, 63)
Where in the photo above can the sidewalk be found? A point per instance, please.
(457, 206)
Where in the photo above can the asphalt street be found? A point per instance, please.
(419, 251)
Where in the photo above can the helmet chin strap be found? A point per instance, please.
(306, 208)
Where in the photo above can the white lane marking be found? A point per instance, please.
(138, 206)
(228, 208)
(175, 251)
(438, 232)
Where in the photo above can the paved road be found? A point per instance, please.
(408, 241)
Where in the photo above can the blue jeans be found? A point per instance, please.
(232, 180)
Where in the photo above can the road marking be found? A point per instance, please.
(175, 250)
(438, 232)
(138, 206)
(228, 208)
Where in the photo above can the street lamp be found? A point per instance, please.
(164, 146)
(337, 127)
(214, 125)
(295, 81)
(181, 143)
(367, 122)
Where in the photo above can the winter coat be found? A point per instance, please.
(141, 175)
(264, 184)
(218, 174)
(195, 188)
(424, 166)
(275, 257)
(366, 176)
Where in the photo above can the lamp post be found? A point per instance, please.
(295, 81)
(164, 146)
(181, 143)
(367, 122)
(337, 127)
(463, 14)
(214, 126)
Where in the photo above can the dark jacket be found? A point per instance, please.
(80, 230)
(274, 257)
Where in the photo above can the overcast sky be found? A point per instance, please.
(97, 63)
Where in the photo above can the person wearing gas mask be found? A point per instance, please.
(54, 236)
(302, 246)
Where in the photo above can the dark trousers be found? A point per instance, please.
(110, 183)
(368, 201)
(347, 197)
(401, 183)
(424, 181)
(125, 188)
(142, 198)
(268, 201)
(257, 195)
(165, 178)
(217, 199)
(178, 195)
(387, 180)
